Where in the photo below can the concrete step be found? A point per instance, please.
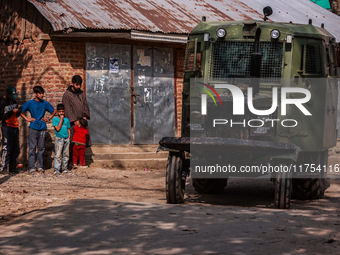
(128, 157)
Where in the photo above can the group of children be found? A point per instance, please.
(37, 107)
(62, 127)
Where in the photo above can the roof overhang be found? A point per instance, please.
(132, 35)
(139, 35)
(124, 35)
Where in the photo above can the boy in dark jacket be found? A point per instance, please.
(9, 111)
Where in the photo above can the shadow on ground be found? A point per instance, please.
(259, 193)
(87, 226)
(239, 192)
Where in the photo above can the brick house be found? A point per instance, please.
(130, 55)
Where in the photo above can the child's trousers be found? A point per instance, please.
(79, 154)
(61, 154)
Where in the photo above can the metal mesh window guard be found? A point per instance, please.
(313, 59)
(232, 59)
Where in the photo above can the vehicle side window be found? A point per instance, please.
(312, 60)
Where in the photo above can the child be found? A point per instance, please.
(79, 140)
(62, 140)
(9, 111)
(37, 107)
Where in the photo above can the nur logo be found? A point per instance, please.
(204, 98)
(239, 99)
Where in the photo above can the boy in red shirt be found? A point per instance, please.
(79, 140)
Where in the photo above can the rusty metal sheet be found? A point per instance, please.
(169, 16)
(154, 105)
(108, 80)
(176, 16)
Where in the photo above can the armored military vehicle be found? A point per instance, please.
(258, 96)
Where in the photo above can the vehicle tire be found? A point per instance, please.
(312, 188)
(209, 186)
(283, 190)
(174, 184)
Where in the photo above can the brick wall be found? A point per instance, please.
(46, 63)
(49, 64)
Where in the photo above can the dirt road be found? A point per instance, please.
(106, 211)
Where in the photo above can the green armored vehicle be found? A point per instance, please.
(258, 99)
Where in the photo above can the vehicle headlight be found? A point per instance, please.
(221, 32)
(275, 34)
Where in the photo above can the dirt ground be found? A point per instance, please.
(24, 193)
(109, 211)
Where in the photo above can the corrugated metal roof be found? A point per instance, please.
(176, 16)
